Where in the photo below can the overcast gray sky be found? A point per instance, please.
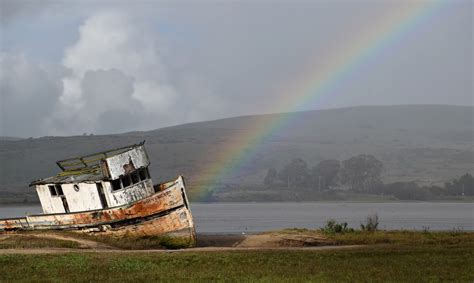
(113, 66)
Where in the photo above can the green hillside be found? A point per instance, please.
(429, 144)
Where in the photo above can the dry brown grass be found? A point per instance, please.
(32, 242)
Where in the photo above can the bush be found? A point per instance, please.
(407, 191)
(371, 223)
(333, 227)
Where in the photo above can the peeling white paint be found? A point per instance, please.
(129, 194)
(136, 157)
(87, 198)
(49, 203)
(82, 194)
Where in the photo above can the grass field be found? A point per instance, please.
(435, 261)
(395, 256)
(375, 263)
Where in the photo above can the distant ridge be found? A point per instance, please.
(3, 138)
(423, 143)
(423, 107)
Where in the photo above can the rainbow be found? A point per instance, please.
(318, 80)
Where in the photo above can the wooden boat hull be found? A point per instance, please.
(166, 212)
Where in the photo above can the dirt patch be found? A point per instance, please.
(83, 243)
(263, 240)
(279, 240)
(219, 240)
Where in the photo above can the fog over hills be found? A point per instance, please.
(429, 144)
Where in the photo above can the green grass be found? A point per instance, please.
(374, 263)
(393, 256)
(33, 242)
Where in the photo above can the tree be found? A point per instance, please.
(296, 173)
(407, 191)
(466, 182)
(362, 172)
(325, 174)
(271, 178)
(464, 186)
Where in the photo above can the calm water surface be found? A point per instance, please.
(256, 217)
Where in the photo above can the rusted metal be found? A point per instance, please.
(164, 212)
(177, 222)
(112, 189)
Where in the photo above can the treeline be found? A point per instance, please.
(359, 174)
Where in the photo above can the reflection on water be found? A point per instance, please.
(255, 217)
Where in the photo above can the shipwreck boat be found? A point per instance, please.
(110, 191)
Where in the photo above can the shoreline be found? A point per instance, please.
(276, 239)
(250, 217)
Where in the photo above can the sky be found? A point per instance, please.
(74, 67)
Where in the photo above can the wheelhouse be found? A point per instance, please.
(97, 181)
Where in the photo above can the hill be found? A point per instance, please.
(429, 144)
(4, 138)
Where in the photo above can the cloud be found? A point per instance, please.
(11, 10)
(29, 93)
(153, 64)
(113, 79)
(115, 68)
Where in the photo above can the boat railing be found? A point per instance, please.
(92, 160)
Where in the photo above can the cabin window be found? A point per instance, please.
(52, 190)
(143, 174)
(129, 179)
(125, 180)
(135, 178)
(116, 185)
(56, 190)
(59, 190)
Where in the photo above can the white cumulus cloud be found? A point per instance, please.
(115, 66)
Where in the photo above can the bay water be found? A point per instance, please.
(257, 217)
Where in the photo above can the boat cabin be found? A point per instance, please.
(97, 181)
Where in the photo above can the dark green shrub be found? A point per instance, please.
(333, 227)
